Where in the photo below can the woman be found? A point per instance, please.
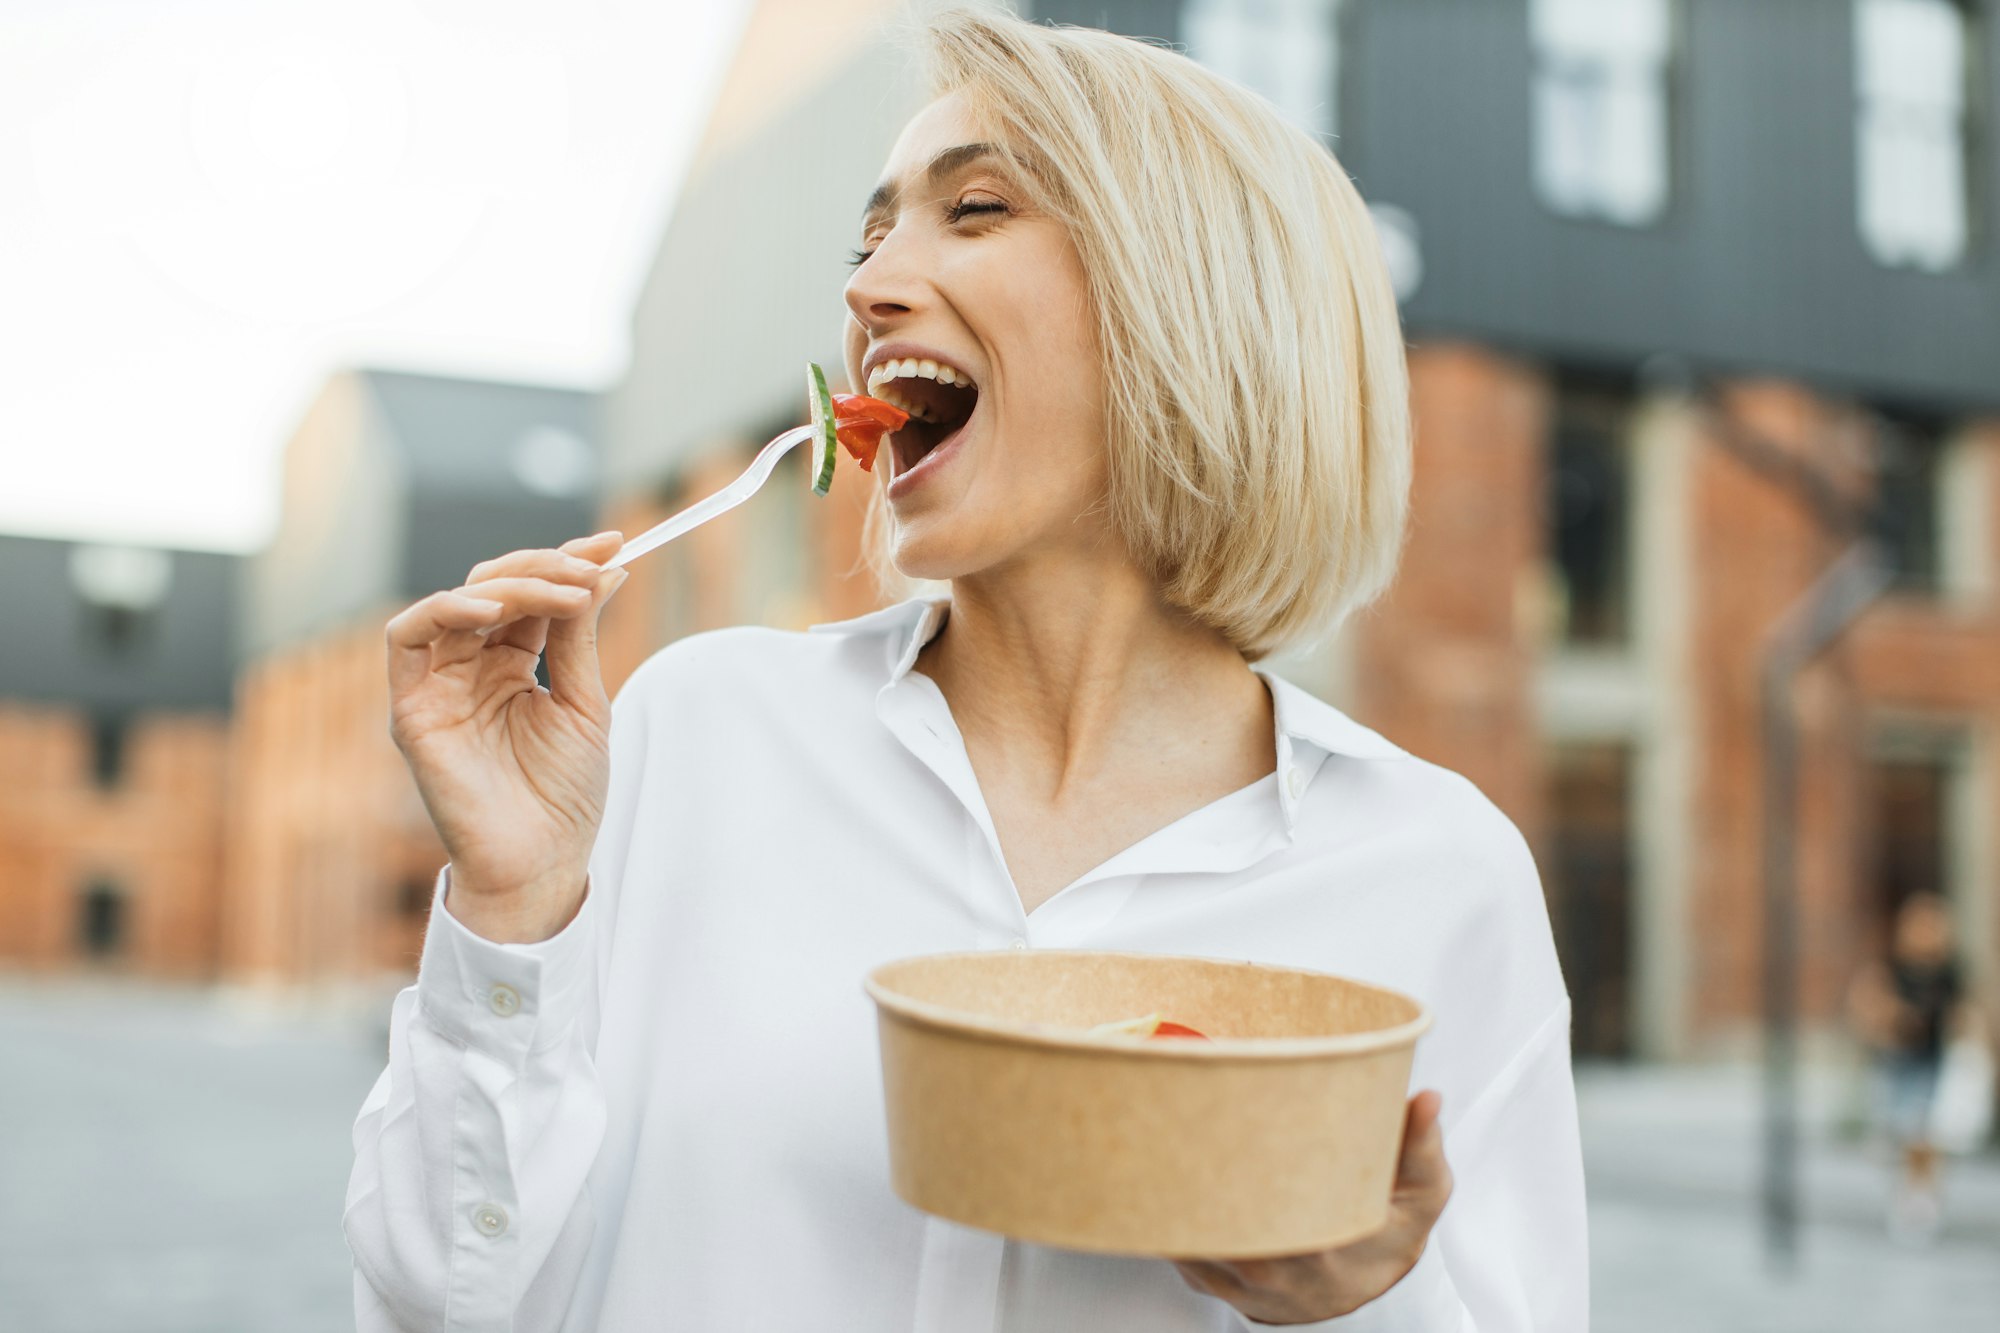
(1907, 1006)
(635, 1085)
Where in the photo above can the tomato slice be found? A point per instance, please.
(863, 440)
(1169, 1028)
(860, 422)
(848, 406)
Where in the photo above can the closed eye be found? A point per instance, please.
(956, 212)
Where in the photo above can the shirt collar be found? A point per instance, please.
(1300, 716)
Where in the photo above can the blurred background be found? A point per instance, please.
(307, 309)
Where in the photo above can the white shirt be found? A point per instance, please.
(669, 1116)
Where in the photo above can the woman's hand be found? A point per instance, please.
(1306, 1288)
(513, 776)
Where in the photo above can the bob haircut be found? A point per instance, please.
(1256, 394)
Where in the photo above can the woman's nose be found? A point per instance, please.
(872, 305)
(883, 289)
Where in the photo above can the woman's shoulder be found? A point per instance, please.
(1399, 789)
(767, 666)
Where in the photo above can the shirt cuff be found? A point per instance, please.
(1424, 1300)
(505, 1000)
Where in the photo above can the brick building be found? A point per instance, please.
(1673, 272)
(395, 485)
(196, 775)
(1648, 366)
(114, 699)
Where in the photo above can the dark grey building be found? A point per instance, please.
(396, 484)
(115, 631)
(1803, 187)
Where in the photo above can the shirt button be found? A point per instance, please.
(1296, 780)
(490, 1219)
(506, 1002)
(1020, 943)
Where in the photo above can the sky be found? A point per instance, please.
(208, 206)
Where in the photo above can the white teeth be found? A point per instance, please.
(914, 368)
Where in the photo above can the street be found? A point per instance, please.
(173, 1160)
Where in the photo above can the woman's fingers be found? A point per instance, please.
(575, 678)
(531, 596)
(598, 548)
(563, 566)
(1209, 1278)
(575, 564)
(411, 633)
(507, 594)
(1422, 1167)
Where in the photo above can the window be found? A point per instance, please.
(107, 747)
(1909, 467)
(1911, 77)
(101, 920)
(123, 588)
(1287, 50)
(1589, 872)
(118, 631)
(1587, 503)
(1910, 797)
(1600, 107)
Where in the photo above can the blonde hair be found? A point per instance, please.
(1257, 398)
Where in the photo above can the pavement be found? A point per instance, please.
(173, 1163)
(173, 1160)
(1671, 1164)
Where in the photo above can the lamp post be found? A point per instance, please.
(1808, 628)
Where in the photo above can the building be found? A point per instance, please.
(1694, 291)
(395, 485)
(1697, 293)
(196, 773)
(114, 720)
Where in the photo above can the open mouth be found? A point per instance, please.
(939, 398)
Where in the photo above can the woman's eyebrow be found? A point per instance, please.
(940, 166)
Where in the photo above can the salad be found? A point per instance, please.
(1146, 1026)
(851, 420)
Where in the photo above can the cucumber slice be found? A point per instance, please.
(824, 447)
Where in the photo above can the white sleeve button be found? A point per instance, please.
(490, 1219)
(505, 1001)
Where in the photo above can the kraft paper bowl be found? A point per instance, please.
(1278, 1136)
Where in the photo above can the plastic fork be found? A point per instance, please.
(724, 500)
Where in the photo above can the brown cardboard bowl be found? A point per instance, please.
(1279, 1136)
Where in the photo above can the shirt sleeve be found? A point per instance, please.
(1510, 1253)
(473, 1149)
(469, 1204)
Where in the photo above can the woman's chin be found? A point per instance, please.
(931, 546)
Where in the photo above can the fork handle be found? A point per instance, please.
(724, 500)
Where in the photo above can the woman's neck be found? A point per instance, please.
(1077, 672)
